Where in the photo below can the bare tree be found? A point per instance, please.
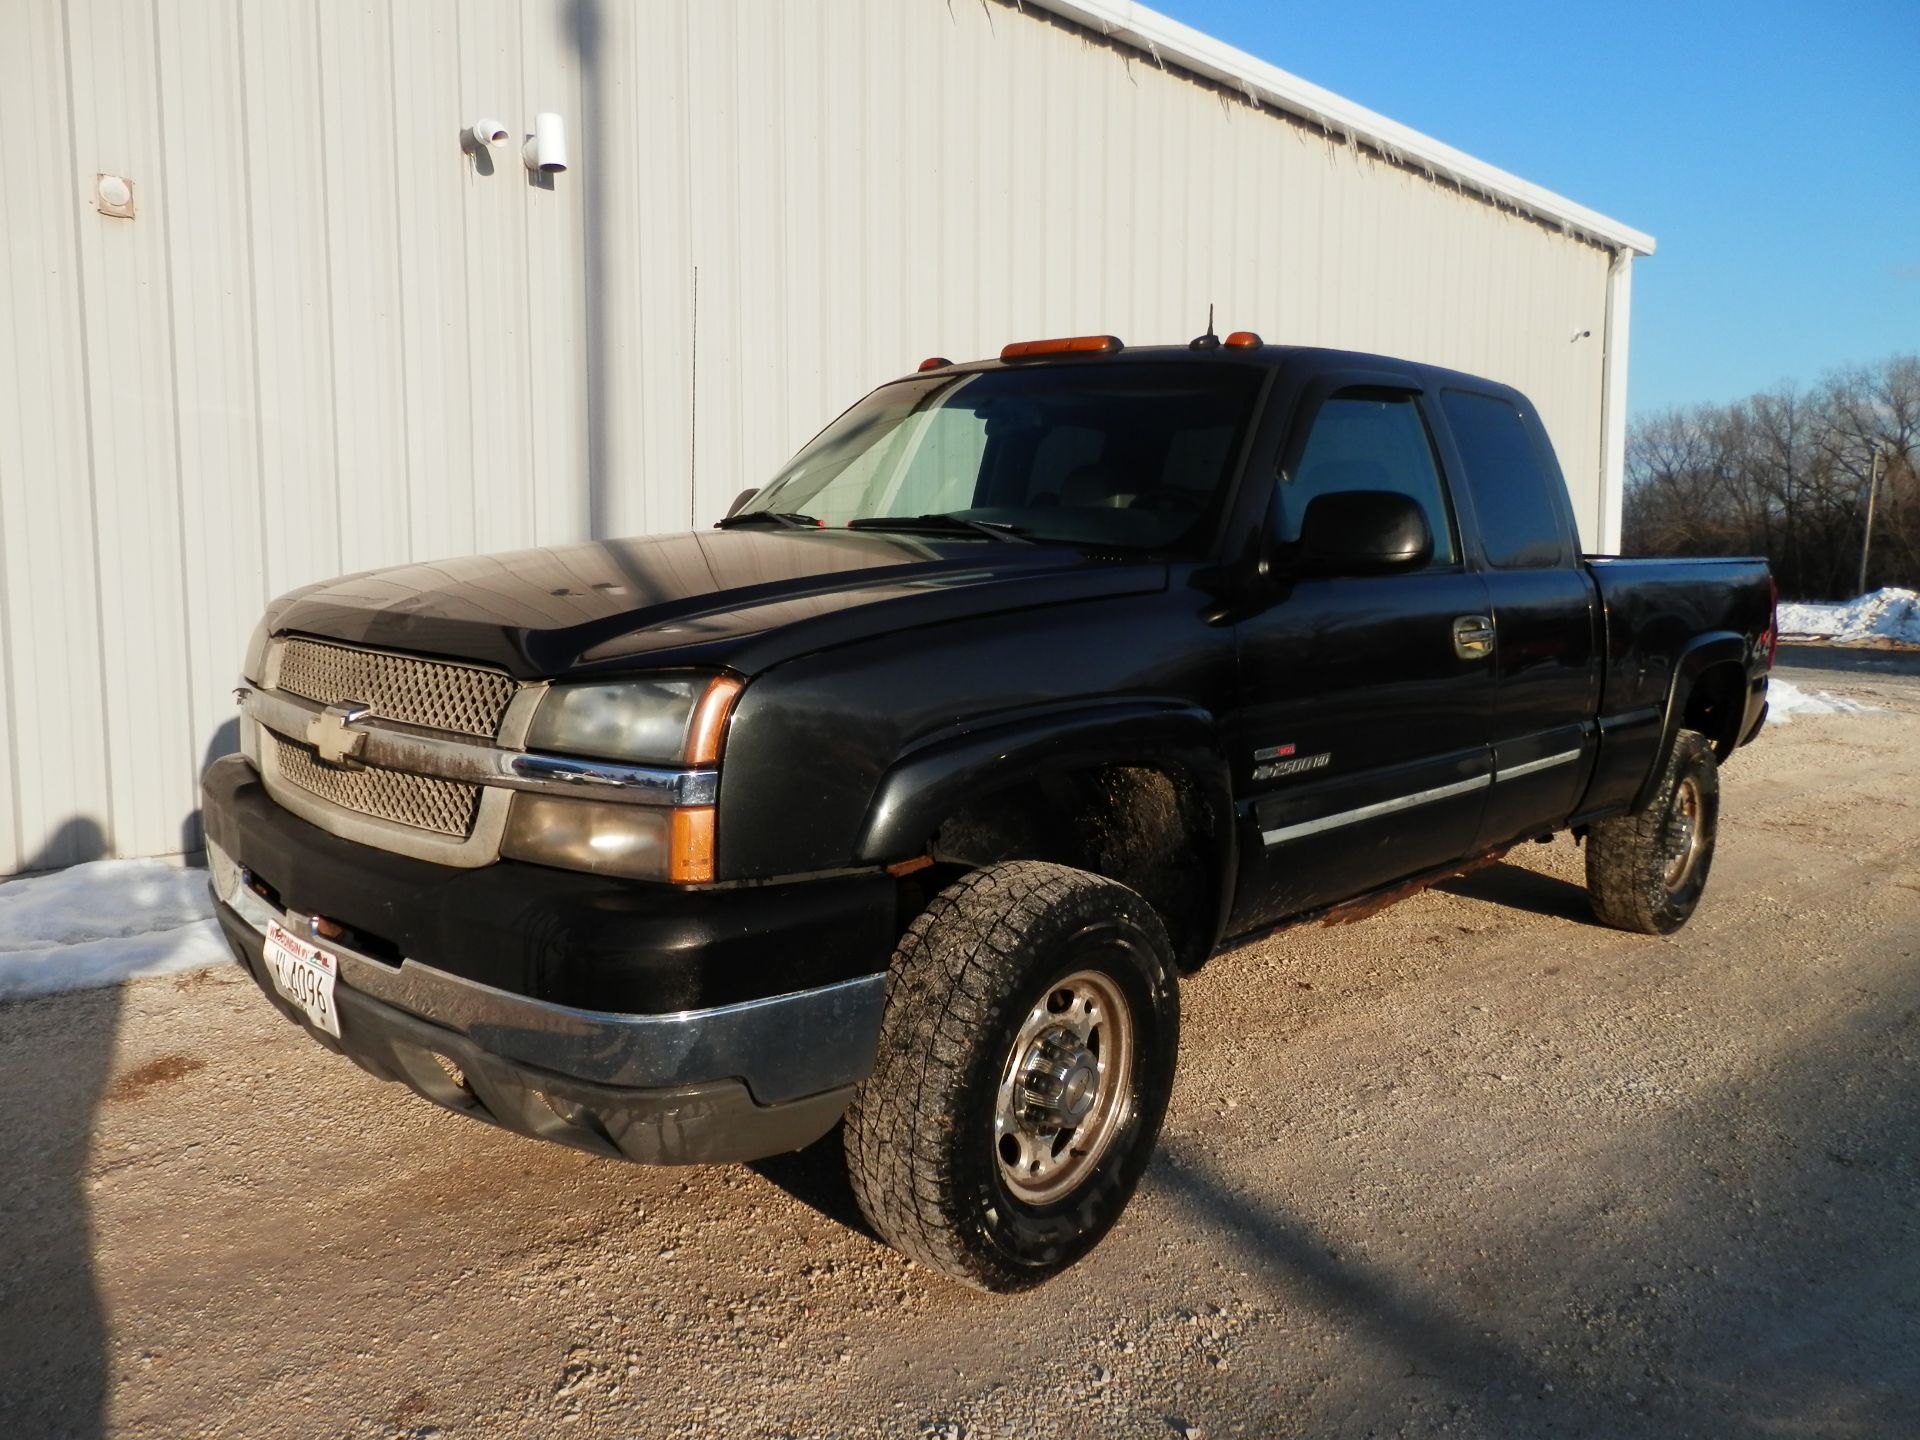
(1784, 474)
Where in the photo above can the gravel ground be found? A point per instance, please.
(1475, 1166)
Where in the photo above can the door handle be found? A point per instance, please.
(1473, 637)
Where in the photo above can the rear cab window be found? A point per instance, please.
(1518, 496)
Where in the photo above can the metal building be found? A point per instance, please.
(270, 313)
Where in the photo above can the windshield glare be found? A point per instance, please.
(1125, 456)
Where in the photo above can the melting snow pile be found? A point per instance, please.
(1786, 700)
(104, 922)
(1889, 614)
(1811, 617)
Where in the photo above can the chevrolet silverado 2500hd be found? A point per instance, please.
(907, 794)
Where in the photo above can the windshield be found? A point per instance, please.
(1122, 456)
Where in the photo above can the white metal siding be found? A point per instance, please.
(329, 342)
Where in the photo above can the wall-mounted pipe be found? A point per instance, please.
(546, 148)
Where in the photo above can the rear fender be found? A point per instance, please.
(1704, 653)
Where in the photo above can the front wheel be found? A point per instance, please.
(1025, 1060)
(1646, 871)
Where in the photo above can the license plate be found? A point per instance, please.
(304, 974)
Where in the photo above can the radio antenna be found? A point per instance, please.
(1208, 341)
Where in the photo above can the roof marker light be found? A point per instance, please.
(1244, 340)
(1070, 345)
(935, 362)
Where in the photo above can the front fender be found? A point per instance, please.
(928, 783)
(934, 781)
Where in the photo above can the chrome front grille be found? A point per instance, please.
(428, 693)
(444, 807)
(433, 694)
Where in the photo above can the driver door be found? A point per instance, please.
(1360, 740)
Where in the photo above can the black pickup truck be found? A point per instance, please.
(907, 793)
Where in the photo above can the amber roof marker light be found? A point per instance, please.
(1244, 340)
(934, 362)
(1067, 345)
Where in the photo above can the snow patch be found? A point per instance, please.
(1889, 614)
(1786, 700)
(1813, 618)
(104, 922)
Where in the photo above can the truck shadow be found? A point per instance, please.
(1744, 1267)
(1519, 888)
(817, 1178)
(224, 741)
(56, 1060)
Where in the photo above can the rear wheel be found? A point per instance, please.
(1025, 1060)
(1646, 871)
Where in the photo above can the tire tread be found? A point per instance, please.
(1624, 882)
(954, 974)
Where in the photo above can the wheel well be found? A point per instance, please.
(1151, 829)
(1716, 705)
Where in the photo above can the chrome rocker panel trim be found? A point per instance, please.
(1533, 767)
(391, 745)
(1369, 812)
(784, 1047)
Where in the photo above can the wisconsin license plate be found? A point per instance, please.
(304, 974)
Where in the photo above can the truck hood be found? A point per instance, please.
(742, 598)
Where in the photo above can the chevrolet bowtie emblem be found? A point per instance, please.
(332, 735)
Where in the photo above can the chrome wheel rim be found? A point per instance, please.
(1686, 835)
(1065, 1089)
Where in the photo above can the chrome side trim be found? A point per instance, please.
(1369, 812)
(784, 1047)
(1514, 772)
(391, 745)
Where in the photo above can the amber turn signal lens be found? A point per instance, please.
(1070, 345)
(707, 735)
(1243, 340)
(690, 860)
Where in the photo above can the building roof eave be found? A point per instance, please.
(1168, 42)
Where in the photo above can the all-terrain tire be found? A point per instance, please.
(974, 975)
(1646, 871)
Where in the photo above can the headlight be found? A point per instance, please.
(664, 720)
(677, 721)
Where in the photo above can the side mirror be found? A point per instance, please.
(741, 499)
(1362, 532)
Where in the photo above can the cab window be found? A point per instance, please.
(1364, 439)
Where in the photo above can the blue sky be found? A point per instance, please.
(1773, 151)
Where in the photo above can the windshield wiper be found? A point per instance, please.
(943, 524)
(787, 519)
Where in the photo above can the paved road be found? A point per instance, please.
(1850, 659)
(1475, 1166)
